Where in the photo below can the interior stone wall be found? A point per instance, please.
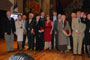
(6, 5)
(20, 5)
(46, 6)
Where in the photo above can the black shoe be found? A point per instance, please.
(74, 54)
(80, 55)
(13, 51)
(57, 49)
(9, 51)
(40, 50)
(71, 50)
(52, 48)
(32, 49)
(23, 47)
(82, 52)
(47, 49)
(28, 48)
(89, 55)
(37, 50)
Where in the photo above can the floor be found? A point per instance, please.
(44, 55)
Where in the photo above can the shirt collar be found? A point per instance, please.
(42, 17)
(9, 18)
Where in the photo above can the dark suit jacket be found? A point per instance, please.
(42, 22)
(70, 23)
(87, 33)
(29, 26)
(9, 25)
(87, 22)
(55, 25)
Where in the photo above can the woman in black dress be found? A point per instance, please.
(87, 33)
(38, 33)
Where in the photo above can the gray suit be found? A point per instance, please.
(77, 38)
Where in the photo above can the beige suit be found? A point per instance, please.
(77, 38)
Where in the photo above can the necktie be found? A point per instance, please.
(79, 20)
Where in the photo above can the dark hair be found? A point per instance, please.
(21, 56)
(65, 22)
(37, 15)
(23, 15)
(54, 11)
(19, 15)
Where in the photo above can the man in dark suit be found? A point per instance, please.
(9, 30)
(30, 31)
(83, 20)
(42, 24)
(54, 18)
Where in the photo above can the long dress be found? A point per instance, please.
(62, 38)
(48, 28)
(39, 40)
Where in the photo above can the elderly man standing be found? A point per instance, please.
(9, 31)
(30, 31)
(78, 34)
(24, 35)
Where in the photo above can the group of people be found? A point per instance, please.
(49, 31)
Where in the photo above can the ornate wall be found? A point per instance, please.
(76, 4)
(5, 5)
(46, 6)
(20, 5)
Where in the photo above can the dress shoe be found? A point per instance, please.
(89, 55)
(9, 51)
(74, 54)
(13, 51)
(32, 49)
(37, 50)
(47, 49)
(80, 55)
(23, 47)
(28, 48)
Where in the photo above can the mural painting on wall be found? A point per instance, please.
(33, 6)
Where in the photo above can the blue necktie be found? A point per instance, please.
(79, 20)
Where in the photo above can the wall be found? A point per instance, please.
(6, 5)
(20, 5)
(46, 6)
